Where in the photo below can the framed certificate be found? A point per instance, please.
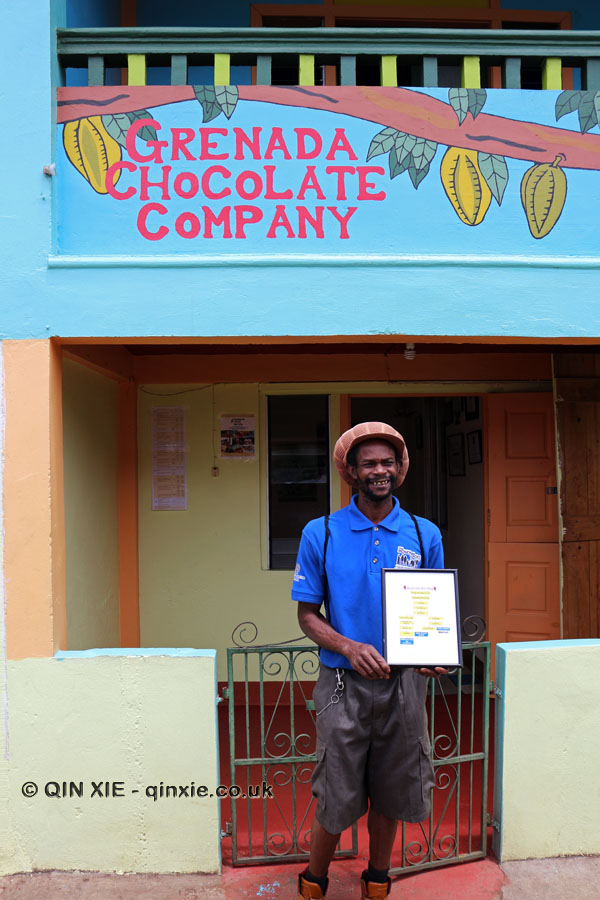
(421, 619)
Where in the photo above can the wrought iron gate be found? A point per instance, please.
(272, 753)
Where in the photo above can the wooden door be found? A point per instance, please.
(578, 418)
(523, 596)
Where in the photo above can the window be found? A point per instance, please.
(298, 471)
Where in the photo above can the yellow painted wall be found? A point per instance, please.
(90, 406)
(139, 720)
(547, 749)
(201, 570)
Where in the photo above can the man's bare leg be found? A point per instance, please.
(382, 834)
(322, 848)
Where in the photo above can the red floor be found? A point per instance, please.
(269, 821)
(481, 880)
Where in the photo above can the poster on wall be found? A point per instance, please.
(238, 437)
(169, 470)
(421, 620)
(326, 170)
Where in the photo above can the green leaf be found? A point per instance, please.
(148, 132)
(401, 153)
(399, 165)
(477, 98)
(459, 101)
(417, 175)
(227, 98)
(404, 143)
(117, 127)
(597, 104)
(566, 102)
(423, 153)
(206, 96)
(495, 172)
(588, 115)
(382, 142)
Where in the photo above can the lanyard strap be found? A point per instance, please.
(416, 524)
(327, 536)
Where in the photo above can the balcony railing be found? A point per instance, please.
(347, 56)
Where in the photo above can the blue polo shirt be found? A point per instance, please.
(356, 553)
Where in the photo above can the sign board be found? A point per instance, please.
(264, 171)
(421, 618)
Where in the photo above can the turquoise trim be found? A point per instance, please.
(77, 43)
(308, 259)
(179, 652)
(500, 708)
(547, 645)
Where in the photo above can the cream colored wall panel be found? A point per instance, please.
(114, 729)
(547, 798)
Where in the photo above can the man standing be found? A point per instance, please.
(372, 743)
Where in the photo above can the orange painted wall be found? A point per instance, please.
(33, 500)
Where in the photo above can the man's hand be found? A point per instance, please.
(367, 661)
(364, 658)
(432, 673)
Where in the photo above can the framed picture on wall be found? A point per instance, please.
(471, 408)
(474, 446)
(456, 454)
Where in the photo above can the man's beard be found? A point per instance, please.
(364, 486)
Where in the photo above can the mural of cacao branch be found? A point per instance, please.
(587, 104)
(464, 185)
(216, 100)
(470, 176)
(91, 149)
(405, 110)
(543, 194)
(93, 143)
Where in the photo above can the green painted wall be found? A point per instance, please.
(91, 507)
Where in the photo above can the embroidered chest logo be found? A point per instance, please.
(407, 559)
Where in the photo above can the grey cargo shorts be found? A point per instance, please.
(372, 747)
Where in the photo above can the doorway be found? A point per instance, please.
(445, 481)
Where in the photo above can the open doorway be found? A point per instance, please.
(445, 481)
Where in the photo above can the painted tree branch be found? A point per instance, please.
(406, 110)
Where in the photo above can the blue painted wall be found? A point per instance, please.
(95, 13)
(465, 294)
(584, 15)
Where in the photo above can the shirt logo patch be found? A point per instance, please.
(298, 576)
(407, 559)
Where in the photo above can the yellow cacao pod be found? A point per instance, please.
(92, 150)
(464, 184)
(543, 194)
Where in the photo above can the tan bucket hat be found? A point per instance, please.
(369, 431)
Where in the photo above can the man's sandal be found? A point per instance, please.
(308, 889)
(372, 890)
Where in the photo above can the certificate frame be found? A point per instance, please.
(421, 617)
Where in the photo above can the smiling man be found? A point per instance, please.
(373, 750)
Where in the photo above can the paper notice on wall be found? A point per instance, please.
(238, 436)
(169, 472)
